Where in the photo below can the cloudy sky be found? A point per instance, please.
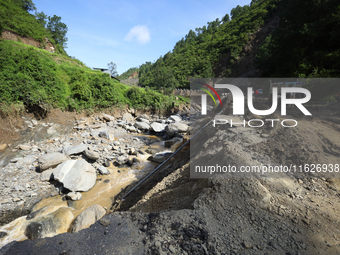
(129, 33)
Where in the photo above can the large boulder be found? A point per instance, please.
(76, 175)
(76, 149)
(142, 125)
(50, 225)
(157, 127)
(175, 128)
(51, 160)
(88, 217)
(128, 117)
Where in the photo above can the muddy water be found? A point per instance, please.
(105, 189)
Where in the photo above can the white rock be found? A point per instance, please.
(128, 117)
(51, 160)
(130, 128)
(157, 127)
(91, 154)
(76, 149)
(46, 175)
(74, 196)
(76, 175)
(103, 170)
(144, 120)
(175, 128)
(142, 125)
(106, 135)
(175, 118)
(160, 157)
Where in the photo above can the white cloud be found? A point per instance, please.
(140, 33)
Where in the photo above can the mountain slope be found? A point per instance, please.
(198, 54)
(270, 38)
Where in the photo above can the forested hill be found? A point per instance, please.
(15, 16)
(300, 39)
(198, 53)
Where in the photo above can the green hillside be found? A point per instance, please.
(36, 79)
(197, 53)
(305, 44)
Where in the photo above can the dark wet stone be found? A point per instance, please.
(3, 234)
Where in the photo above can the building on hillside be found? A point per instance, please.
(105, 70)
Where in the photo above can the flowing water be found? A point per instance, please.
(105, 189)
(57, 207)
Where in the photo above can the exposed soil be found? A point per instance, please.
(11, 35)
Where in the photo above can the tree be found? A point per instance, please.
(58, 30)
(27, 5)
(41, 17)
(238, 10)
(226, 18)
(112, 68)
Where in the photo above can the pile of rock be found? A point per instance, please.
(75, 159)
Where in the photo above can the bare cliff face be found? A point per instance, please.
(11, 35)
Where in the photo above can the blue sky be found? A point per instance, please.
(129, 33)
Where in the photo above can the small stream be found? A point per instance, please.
(57, 207)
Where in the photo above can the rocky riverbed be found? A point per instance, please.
(71, 164)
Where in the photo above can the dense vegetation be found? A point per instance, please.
(14, 15)
(196, 54)
(35, 79)
(306, 43)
